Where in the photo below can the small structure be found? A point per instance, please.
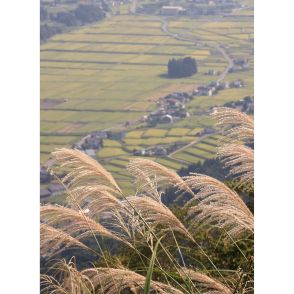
(167, 119)
(206, 131)
(211, 72)
(245, 105)
(237, 84)
(172, 10)
(154, 151)
(182, 97)
(94, 141)
(240, 61)
(205, 91)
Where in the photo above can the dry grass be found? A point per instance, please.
(147, 171)
(155, 213)
(83, 168)
(217, 205)
(236, 126)
(98, 207)
(73, 281)
(54, 241)
(74, 223)
(91, 198)
(206, 283)
(240, 161)
(98, 280)
(115, 280)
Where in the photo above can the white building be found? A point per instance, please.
(171, 10)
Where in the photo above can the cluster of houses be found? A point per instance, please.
(240, 64)
(194, 8)
(159, 150)
(53, 187)
(214, 87)
(210, 89)
(212, 72)
(172, 10)
(171, 108)
(204, 132)
(237, 84)
(245, 104)
(91, 143)
(152, 151)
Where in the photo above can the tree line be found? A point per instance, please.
(83, 14)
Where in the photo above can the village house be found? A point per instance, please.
(94, 141)
(206, 131)
(166, 119)
(240, 61)
(204, 91)
(182, 97)
(172, 10)
(240, 64)
(237, 84)
(245, 104)
(211, 72)
(154, 151)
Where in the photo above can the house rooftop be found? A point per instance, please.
(173, 7)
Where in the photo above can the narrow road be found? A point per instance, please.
(220, 48)
(228, 59)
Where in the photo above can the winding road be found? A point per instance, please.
(219, 48)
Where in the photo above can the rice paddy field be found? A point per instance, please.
(99, 77)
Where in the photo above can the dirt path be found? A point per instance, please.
(228, 59)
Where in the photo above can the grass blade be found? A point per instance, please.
(150, 269)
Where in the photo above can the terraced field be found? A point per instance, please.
(106, 74)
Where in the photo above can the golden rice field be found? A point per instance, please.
(102, 75)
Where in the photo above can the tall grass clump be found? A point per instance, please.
(103, 241)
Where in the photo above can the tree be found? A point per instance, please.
(89, 13)
(183, 67)
(48, 31)
(66, 18)
(43, 14)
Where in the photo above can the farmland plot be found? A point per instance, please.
(108, 73)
